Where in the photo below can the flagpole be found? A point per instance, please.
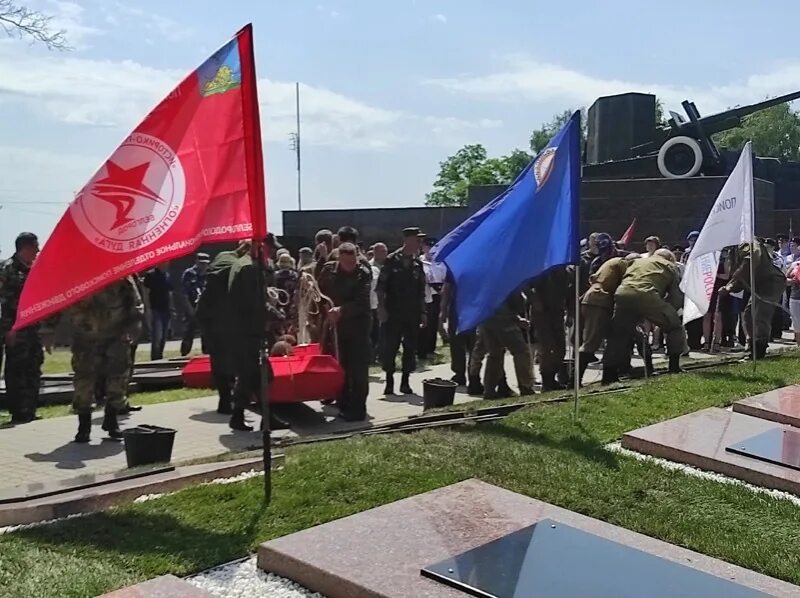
(752, 264)
(576, 366)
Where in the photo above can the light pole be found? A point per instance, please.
(295, 143)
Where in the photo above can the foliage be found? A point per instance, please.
(540, 452)
(775, 133)
(471, 166)
(22, 22)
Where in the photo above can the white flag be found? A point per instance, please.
(730, 222)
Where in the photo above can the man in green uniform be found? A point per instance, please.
(548, 299)
(649, 291)
(102, 327)
(501, 331)
(401, 307)
(24, 355)
(597, 307)
(770, 283)
(347, 282)
(251, 319)
(215, 316)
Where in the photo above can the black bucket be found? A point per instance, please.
(438, 393)
(147, 444)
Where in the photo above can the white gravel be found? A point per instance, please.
(616, 447)
(244, 579)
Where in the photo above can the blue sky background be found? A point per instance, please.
(388, 89)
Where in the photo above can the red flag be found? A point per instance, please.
(628, 236)
(190, 173)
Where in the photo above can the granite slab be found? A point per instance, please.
(700, 439)
(381, 552)
(781, 405)
(166, 586)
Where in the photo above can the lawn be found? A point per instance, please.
(60, 360)
(538, 451)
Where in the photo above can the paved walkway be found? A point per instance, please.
(42, 451)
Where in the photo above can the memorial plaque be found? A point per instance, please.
(780, 446)
(552, 560)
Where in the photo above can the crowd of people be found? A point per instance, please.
(367, 304)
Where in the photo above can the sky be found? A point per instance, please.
(387, 89)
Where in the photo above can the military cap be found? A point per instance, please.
(304, 250)
(693, 235)
(203, 258)
(411, 231)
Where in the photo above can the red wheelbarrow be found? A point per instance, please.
(306, 375)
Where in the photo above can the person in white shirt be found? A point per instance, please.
(379, 253)
(435, 275)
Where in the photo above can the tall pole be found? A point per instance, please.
(576, 366)
(752, 265)
(297, 143)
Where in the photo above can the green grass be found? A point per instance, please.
(539, 452)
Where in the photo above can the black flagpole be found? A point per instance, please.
(264, 383)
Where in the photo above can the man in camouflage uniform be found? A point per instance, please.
(503, 330)
(401, 307)
(24, 355)
(649, 291)
(102, 327)
(548, 304)
(348, 284)
(770, 284)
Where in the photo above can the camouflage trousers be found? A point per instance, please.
(24, 374)
(100, 359)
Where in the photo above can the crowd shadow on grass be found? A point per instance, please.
(151, 536)
(585, 445)
(743, 377)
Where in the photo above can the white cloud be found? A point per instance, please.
(440, 18)
(81, 91)
(70, 17)
(524, 78)
(117, 13)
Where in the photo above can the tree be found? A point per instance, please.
(22, 22)
(775, 133)
(471, 166)
(542, 136)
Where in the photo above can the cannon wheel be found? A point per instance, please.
(680, 158)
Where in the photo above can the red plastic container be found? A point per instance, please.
(307, 375)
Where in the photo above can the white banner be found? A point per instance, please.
(728, 223)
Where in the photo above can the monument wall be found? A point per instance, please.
(669, 208)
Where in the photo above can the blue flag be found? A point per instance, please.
(524, 232)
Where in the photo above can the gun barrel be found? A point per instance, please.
(729, 119)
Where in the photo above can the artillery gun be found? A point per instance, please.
(685, 148)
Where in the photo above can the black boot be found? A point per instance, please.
(610, 375)
(405, 387)
(224, 405)
(475, 388)
(549, 382)
(460, 380)
(526, 391)
(238, 423)
(110, 424)
(389, 390)
(504, 390)
(84, 427)
(675, 364)
(761, 349)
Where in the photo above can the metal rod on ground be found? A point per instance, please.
(576, 371)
